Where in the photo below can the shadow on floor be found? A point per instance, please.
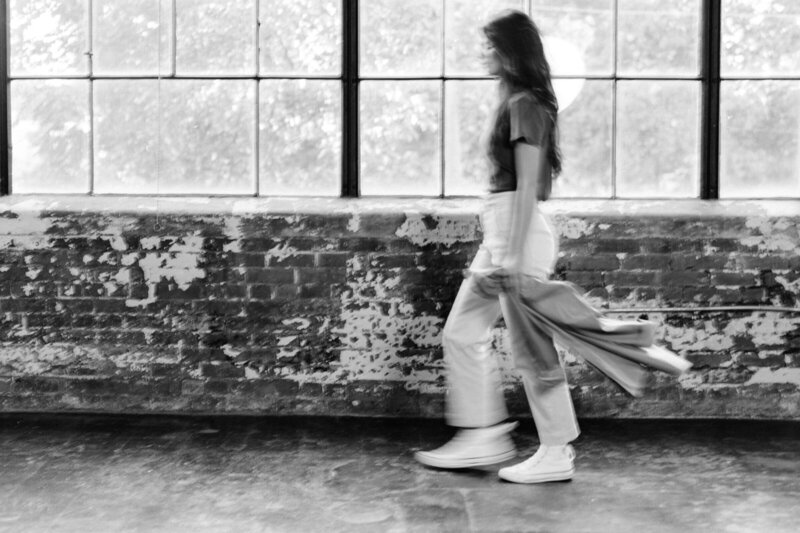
(99, 473)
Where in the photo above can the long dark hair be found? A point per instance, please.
(518, 44)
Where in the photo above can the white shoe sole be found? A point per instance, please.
(564, 475)
(429, 459)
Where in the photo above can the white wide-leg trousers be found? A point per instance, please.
(475, 394)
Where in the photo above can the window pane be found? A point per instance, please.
(300, 137)
(301, 36)
(467, 108)
(659, 37)
(50, 136)
(582, 28)
(400, 38)
(463, 36)
(400, 137)
(585, 128)
(126, 36)
(207, 137)
(215, 37)
(658, 138)
(760, 139)
(126, 137)
(48, 37)
(760, 37)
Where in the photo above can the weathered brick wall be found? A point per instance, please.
(336, 307)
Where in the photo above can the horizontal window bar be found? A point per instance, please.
(564, 77)
(173, 77)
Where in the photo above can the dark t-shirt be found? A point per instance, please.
(521, 118)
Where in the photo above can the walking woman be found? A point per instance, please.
(509, 276)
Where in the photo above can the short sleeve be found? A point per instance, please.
(527, 120)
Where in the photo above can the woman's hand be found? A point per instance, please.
(496, 282)
(487, 285)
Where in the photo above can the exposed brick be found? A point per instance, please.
(673, 295)
(96, 321)
(363, 244)
(670, 245)
(593, 262)
(724, 245)
(306, 389)
(762, 262)
(645, 262)
(191, 387)
(97, 386)
(249, 260)
(616, 246)
(285, 292)
(262, 292)
(585, 280)
(295, 260)
(313, 291)
(107, 305)
(235, 291)
(250, 245)
(708, 359)
(270, 275)
(725, 297)
(220, 370)
(684, 278)
(733, 279)
(698, 262)
(393, 261)
(316, 275)
(218, 386)
(268, 387)
(631, 279)
(36, 384)
(643, 293)
(330, 259)
(174, 292)
(171, 370)
(752, 358)
(755, 295)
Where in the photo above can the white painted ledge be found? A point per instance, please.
(108, 205)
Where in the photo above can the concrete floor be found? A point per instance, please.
(176, 474)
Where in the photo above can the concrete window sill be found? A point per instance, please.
(311, 205)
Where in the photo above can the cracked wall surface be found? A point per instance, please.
(337, 307)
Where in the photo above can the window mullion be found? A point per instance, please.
(90, 56)
(257, 102)
(709, 154)
(5, 136)
(614, 84)
(350, 156)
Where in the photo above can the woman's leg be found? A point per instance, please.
(543, 377)
(545, 384)
(475, 397)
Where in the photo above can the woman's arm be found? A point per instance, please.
(527, 161)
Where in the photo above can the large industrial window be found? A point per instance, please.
(659, 98)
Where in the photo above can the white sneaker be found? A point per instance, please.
(549, 463)
(472, 447)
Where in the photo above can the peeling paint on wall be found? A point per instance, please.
(574, 228)
(281, 252)
(779, 235)
(431, 229)
(179, 264)
(770, 376)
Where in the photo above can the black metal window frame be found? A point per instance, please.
(709, 78)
